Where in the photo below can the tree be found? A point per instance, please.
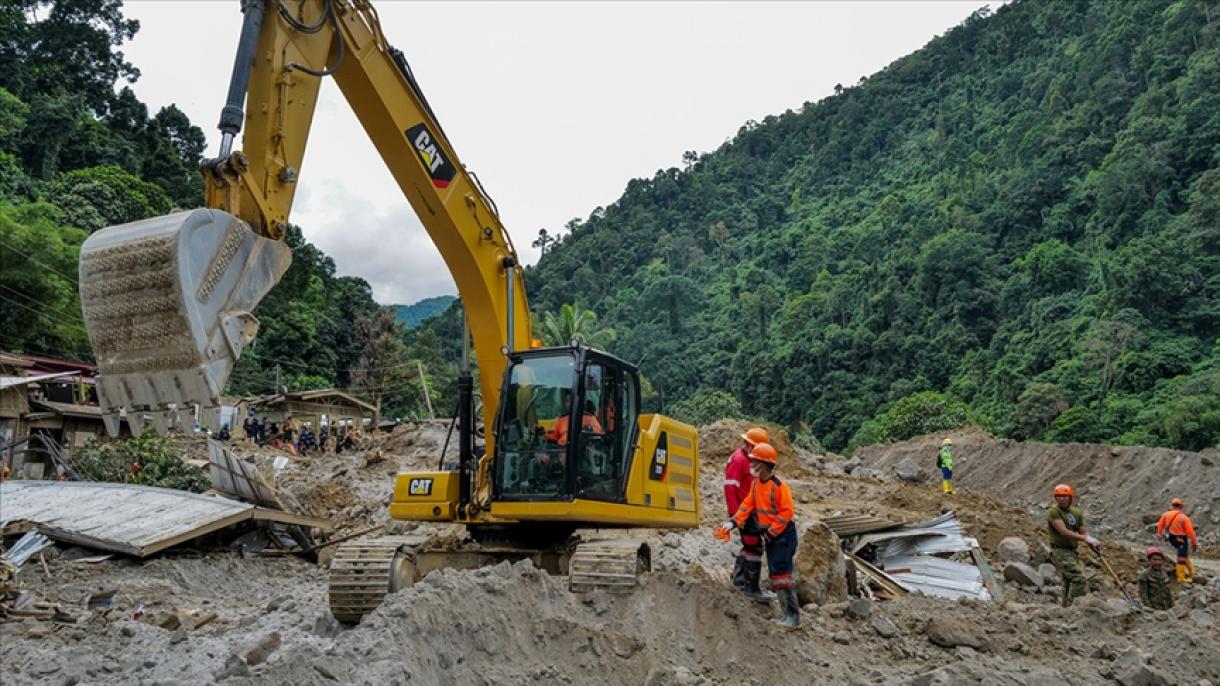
(1036, 409)
(544, 241)
(98, 197)
(574, 322)
(383, 361)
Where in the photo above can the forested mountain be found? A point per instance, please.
(1018, 225)
(412, 315)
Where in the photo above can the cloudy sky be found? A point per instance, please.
(554, 105)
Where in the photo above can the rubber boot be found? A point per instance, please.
(1180, 569)
(1190, 571)
(792, 610)
(952, 490)
(739, 573)
(753, 575)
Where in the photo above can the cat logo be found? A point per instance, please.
(433, 158)
(420, 487)
(659, 468)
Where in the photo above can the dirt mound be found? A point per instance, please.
(1122, 489)
(514, 624)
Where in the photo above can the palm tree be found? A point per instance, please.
(543, 241)
(575, 322)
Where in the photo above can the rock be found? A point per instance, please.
(851, 465)
(821, 571)
(842, 638)
(1049, 574)
(884, 627)
(1023, 574)
(234, 666)
(1203, 619)
(866, 473)
(1131, 669)
(1207, 461)
(949, 632)
(127, 630)
(860, 608)
(910, 472)
(1013, 549)
(258, 650)
(1041, 553)
(672, 541)
(178, 636)
(275, 604)
(1150, 518)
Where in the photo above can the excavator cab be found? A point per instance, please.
(567, 423)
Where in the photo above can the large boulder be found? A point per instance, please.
(821, 571)
(910, 472)
(1023, 574)
(1013, 549)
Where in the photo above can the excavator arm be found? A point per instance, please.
(168, 300)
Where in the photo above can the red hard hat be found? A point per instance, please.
(1177, 502)
(764, 452)
(1064, 489)
(1154, 551)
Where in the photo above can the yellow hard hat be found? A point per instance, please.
(947, 441)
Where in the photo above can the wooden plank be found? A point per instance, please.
(980, 560)
(290, 518)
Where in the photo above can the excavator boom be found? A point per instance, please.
(168, 301)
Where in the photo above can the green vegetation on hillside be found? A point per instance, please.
(414, 314)
(1022, 217)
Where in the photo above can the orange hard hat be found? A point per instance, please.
(755, 436)
(1064, 489)
(1177, 502)
(764, 452)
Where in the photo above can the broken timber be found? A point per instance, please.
(127, 518)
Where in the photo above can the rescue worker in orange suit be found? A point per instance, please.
(1176, 528)
(737, 482)
(768, 510)
(559, 431)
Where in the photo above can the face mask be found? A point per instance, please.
(754, 470)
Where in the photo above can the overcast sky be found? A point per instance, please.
(554, 105)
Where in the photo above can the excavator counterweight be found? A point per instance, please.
(167, 304)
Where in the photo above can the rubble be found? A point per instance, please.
(1023, 574)
(1013, 549)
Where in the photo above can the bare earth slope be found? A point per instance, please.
(1120, 488)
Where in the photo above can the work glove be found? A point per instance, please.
(1092, 542)
(722, 532)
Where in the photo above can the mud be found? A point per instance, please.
(514, 624)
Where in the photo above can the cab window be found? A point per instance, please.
(532, 444)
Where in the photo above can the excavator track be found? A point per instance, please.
(611, 565)
(364, 571)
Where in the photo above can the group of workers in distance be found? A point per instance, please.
(760, 508)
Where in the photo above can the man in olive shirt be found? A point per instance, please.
(1066, 526)
(1155, 592)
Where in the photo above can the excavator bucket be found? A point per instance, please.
(167, 304)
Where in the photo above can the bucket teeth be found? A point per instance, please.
(167, 305)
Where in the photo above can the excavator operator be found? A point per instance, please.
(588, 421)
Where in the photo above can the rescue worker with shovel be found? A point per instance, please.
(768, 510)
(1066, 526)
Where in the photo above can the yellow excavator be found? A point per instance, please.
(169, 301)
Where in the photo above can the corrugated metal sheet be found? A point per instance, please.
(853, 525)
(936, 576)
(126, 518)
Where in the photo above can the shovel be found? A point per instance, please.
(1135, 604)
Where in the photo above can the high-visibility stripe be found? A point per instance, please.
(732, 482)
(751, 556)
